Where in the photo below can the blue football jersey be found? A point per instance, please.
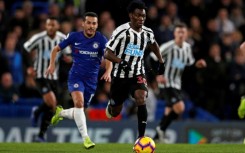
(86, 53)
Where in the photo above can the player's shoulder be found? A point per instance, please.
(187, 44)
(167, 44)
(121, 28)
(60, 34)
(147, 29)
(39, 35)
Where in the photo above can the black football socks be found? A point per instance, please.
(142, 119)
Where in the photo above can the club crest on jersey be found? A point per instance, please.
(76, 85)
(95, 45)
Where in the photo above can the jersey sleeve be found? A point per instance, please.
(103, 46)
(31, 43)
(190, 57)
(114, 40)
(67, 41)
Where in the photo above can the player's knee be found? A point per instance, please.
(140, 99)
(79, 104)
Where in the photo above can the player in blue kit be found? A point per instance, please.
(87, 52)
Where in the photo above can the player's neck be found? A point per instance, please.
(87, 36)
(179, 43)
(135, 28)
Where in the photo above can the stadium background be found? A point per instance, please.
(216, 29)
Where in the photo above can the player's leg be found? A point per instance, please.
(48, 107)
(80, 118)
(139, 93)
(241, 108)
(118, 94)
(174, 107)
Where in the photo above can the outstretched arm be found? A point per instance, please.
(53, 55)
(107, 75)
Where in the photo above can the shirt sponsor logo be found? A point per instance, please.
(133, 50)
(92, 54)
(178, 63)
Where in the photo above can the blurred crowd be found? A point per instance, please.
(216, 28)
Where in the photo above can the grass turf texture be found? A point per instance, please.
(117, 148)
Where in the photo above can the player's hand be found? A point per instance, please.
(31, 71)
(106, 76)
(125, 66)
(161, 79)
(201, 63)
(161, 68)
(50, 70)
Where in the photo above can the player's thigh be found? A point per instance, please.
(171, 96)
(76, 88)
(89, 93)
(119, 91)
(138, 89)
(43, 86)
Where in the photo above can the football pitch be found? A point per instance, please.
(117, 148)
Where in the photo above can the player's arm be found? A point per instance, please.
(53, 55)
(111, 56)
(242, 46)
(154, 47)
(107, 75)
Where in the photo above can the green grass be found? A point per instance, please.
(117, 148)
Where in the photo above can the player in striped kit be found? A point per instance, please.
(176, 54)
(126, 49)
(42, 43)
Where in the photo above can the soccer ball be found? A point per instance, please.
(144, 145)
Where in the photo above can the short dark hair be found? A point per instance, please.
(135, 4)
(92, 14)
(53, 18)
(180, 25)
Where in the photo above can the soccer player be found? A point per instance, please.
(43, 43)
(87, 52)
(241, 108)
(176, 54)
(126, 49)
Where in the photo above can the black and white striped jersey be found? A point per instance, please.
(43, 46)
(175, 58)
(130, 45)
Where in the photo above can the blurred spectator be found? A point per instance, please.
(211, 34)
(224, 24)
(4, 64)
(78, 24)
(164, 32)
(172, 12)
(236, 73)
(27, 8)
(237, 17)
(14, 60)
(8, 92)
(66, 27)
(104, 17)
(213, 82)
(108, 28)
(28, 88)
(152, 17)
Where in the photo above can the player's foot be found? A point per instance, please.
(56, 118)
(241, 108)
(34, 118)
(107, 111)
(88, 144)
(161, 135)
(39, 139)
